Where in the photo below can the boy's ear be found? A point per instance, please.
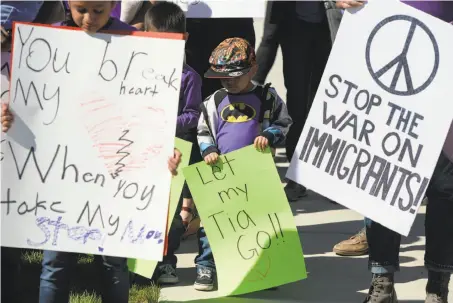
(186, 36)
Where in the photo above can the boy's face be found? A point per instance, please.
(240, 84)
(91, 16)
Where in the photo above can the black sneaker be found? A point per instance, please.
(382, 290)
(167, 274)
(205, 279)
(294, 191)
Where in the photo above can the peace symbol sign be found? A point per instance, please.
(401, 61)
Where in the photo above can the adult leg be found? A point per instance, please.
(205, 263)
(11, 264)
(296, 39)
(57, 268)
(114, 279)
(267, 51)
(384, 245)
(438, 228)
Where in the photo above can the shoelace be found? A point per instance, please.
(204, 273)
(359, 234)
(376, 289)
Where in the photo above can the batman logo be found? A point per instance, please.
(237, 113)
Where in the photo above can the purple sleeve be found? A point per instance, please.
(191, 96)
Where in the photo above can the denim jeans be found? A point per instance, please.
(10, 274)
(384, 244)
(58, 268)
(205, 257)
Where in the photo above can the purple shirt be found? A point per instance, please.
(116, 12)
(189, 101)
(18, 11)
(444, 11)
(440, 9)
(238, 121)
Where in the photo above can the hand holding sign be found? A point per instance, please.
(348, 4)
(94, 123)
(248, 221)
(369, 134)
(7, 118)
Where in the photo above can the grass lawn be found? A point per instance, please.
(85, 283)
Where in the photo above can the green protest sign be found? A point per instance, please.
(248, 221)
(146, 268)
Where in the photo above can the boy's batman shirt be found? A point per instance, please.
(238, 125)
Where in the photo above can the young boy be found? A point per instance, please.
(169, 17)
(238, 115)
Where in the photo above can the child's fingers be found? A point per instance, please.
(256, 142)
(7, 118)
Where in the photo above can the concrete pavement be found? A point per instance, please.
(321, 224)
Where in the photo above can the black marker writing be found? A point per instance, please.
(131, 189)
(368, 172)
(22, 42)
(123, 153)
(90, 218)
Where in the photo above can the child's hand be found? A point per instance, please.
(261, 143)
(173, 162)
(7, 118)
(211, 158)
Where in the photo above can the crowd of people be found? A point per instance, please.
(220, 70)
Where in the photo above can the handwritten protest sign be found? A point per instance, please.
(146, 268)
(84, 165)
(380, 116)
(5, 68)
(222, 9)
(248, 221)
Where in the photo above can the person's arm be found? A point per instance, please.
(130, 8)
(190, 115)
(205, 139)
(348, 4)
(138, 19)
(279, 122)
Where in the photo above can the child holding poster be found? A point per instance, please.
(169, 17)
(90, 16)
(234, 117)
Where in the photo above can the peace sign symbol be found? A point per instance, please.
(401, 61)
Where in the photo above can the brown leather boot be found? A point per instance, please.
(357, 245)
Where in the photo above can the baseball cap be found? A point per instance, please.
(232, 58)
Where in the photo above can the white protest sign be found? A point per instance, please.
(5, 68)
(222, 8)
(381, 113)
(85, 162)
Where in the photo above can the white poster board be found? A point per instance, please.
(85, 162)
(381, 113)
(5, 69)
(223, 8)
